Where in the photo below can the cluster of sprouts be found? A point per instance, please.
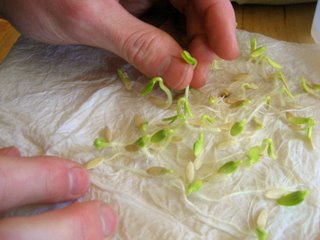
(197, 127)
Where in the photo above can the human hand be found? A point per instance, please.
(107, 24)
(28, 180)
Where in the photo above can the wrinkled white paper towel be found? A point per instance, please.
(55, 99)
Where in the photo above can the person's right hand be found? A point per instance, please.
(28, 180)
(109, 24)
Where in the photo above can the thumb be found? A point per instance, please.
(150, 50)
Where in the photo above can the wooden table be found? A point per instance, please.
(289, 23)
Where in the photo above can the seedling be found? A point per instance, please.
(293, 198)
(186, 56)
(149, 87)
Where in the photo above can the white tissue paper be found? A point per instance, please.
(55, 100)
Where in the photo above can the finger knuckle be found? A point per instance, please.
(142, 48)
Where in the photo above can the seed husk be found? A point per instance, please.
(132, 148)
(262, 219)
(275, 193)
(157, 171)
(190, 172)
(94, 163)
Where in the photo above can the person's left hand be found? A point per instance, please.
(44, 179)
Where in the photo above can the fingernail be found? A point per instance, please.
(78, 181)
(108, 220)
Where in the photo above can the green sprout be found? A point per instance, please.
(143, 141)
(253, 44)
(100, 143)
(285, 90)
(282, 78)
(241, 103)
(273, 63)
(161, 135)
(212, 100)
(174, 118)
(198, 145)
(258, 123)
(186, 56)
(123, 76)
(237, 128)
(258, 52)
(150, 85)
(183, 106)
(268, 144)
(310, 89)
(309, 123)
(268, 101)
(261, 234)
(229, 167)
(248, 86)
(254, 154)
(195, 186)
(293, 198)
(207, 118)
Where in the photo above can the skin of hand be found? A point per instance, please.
(112, 25)
(29, 180)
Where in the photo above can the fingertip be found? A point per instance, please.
(200, 76)
(178, 74)
(79, 181)
(201, 51)
(108, 219)
(10, 152)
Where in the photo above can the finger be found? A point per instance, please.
(10, 152)
(39, 180)
(220, 25)
(80, 221)
(198, 46)
(199, 49)
(151, 50)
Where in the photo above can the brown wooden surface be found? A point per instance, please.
(8, 36)
(289, 23)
